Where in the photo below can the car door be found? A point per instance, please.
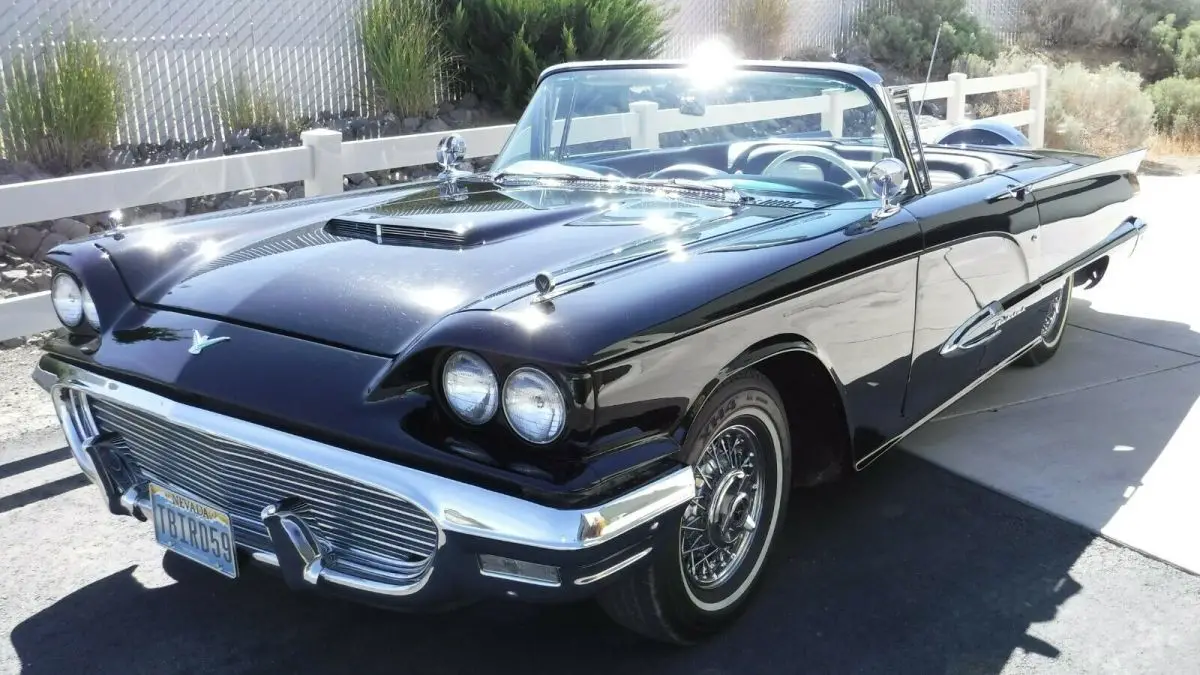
(980, 242)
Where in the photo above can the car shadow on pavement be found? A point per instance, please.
(905, 568)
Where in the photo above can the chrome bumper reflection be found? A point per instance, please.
(453, 506)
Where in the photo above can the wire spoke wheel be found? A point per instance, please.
(1051, 320)
(719, 525)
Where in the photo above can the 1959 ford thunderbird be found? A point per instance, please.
(595, 370)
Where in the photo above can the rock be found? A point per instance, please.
(410, 124)
(357, 178)
(462, 117)
(253, 196)
(445, 108)
(25, 240)
(12, 276)
(29, 171)
(469, 101)
(50, 241)
(434, 126)
(296, 192)
(173, 209)
(10, 179)
(70, 228)
(206, 152)
(12, 343)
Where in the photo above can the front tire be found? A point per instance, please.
(1053, 326)
(703, 579)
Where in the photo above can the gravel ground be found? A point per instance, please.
(905, 569)
(24, 407)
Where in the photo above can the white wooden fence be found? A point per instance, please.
(323, 160)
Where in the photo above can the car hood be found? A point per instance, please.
(374, 272)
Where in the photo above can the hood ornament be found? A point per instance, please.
(451, 151)
(202, 342)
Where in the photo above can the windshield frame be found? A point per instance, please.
(864, 80)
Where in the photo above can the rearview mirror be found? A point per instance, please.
(888, 180)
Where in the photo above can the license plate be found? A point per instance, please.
(194, 530)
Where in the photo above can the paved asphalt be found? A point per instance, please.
(905, 569)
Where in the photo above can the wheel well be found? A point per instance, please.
(816, 415)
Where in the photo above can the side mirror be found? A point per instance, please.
(888, 180)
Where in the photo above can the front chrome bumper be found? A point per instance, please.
(584, 546)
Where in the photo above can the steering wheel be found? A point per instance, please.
(856, 179)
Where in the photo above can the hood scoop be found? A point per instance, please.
(394, 234)
(484, 219)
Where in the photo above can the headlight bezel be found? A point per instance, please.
(576, 413)
(442, 372)
(78, 288)
(91, 316)
(554, 386)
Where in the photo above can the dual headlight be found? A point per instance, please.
(533, 403)
(72, 302)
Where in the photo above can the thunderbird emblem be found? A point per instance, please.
(201, 342)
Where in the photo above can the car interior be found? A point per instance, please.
(818, 167)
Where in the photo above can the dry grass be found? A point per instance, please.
(1174, 146)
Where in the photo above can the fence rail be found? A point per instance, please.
(323, 160)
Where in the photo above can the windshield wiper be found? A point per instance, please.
(727, 194)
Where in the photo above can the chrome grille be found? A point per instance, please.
(368, 530)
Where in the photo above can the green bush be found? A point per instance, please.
(240, 106)
(1181, 46)
(405, 56)
(68, 116)
(901, 34)
(1177, 106)
(758, 27)
(501, 46)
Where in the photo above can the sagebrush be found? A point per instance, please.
(901, 35)
(62, 107)
(501, 46)
(758, 27)
(1103, 112)
(405, 56)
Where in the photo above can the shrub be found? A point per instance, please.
(65, 118)
(1177, 107)
(901, 34)
(1182, 47)
(1103, 112)
(758, 27)
(404, 53)
(503, 45)
(240, 106)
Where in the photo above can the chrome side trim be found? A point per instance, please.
(604, 574)
(453, 505)
(874, 455)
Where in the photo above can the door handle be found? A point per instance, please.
(1017, 192)
(979, 330)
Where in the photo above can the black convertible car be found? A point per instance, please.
(595, 370)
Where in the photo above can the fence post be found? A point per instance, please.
(645, 136)
(956, 103)
(1037, 103)
(833, 118)
(325, 153)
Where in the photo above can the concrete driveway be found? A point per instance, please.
(1107, 434)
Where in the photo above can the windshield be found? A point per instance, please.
(809, 135)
